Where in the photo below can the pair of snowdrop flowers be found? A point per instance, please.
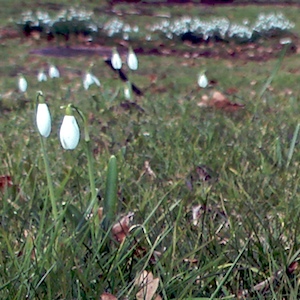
(53, 72)
(132, 60)
(69, 133)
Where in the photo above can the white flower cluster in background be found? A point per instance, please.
(116, 26)
(72, 19)
(271, 22)
(222, 28)
(82, 21)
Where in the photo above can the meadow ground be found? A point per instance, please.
(207, 179)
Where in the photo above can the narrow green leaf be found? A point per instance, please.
(110, 199)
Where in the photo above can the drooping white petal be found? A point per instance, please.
(202, 81)
(132, 61)
(90, 79)
(116, 60)
(22, 84)
(96, 80)
(127, 91)
(87, 81)
(43, 119)
(41, 76)
(53, 72)
(69, 133)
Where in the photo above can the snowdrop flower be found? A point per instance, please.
(53, 72)
(116, 60)
(132, 60)
(41, 76)
(43, 117)
(22, 84)
(127, 90)
(90, 79)
(69, 131)
(202, 80)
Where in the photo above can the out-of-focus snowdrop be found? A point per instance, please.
(22, 84)
(222, 27)
(125, 36)
(202, 80)
(132, 60)
(116, 60)
(113, 26)
(41, 76)
(240, 33)
(285, 41)
(90, 79)
(53, 72)
(127, 90)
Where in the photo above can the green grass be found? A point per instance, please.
(248, 227)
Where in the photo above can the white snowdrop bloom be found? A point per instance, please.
(41, 76)
(202, 80)
(90, 79)
(43, 119)
(286, 40)
(132, 60)
(127, 90)
(116, 60)
(125, 36)
(53, 72)
(22, 84)
(69, 133)
(96, 80)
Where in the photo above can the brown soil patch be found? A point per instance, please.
(252, 51)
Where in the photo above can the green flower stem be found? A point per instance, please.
(110, 200)
(49, 180)
(91, 170)
(88, 152)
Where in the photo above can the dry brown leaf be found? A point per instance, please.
(121, 229)
(191, 260)
(196, 213)
(220, 101)
(108, 296)
(5, 182)
(147, 171)
(100, 213)
(292, 267)
(148, 286)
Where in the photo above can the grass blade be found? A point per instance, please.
(110, 200)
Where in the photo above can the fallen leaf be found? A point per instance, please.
(231, 91)
(292, 267)
(201, 174)
(5, 182)
(148, 286)
(220, 101)
(100, 213)
(108, 296)
(121, 229)
(141, 251)
(191, 260)
(147, 171)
